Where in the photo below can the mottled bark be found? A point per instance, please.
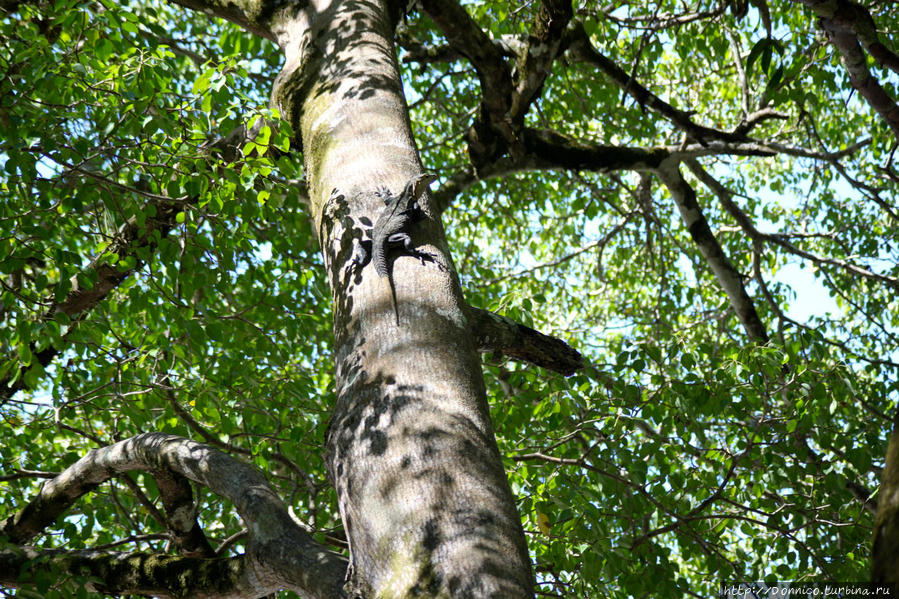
(116, 574)
(279, 553)
(421, 488)
(495, 333)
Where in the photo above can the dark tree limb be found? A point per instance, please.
(17, 473)
(498, 126)
(851, 16)
(548, 149)
(662, 21)
(181, 514)
(116, 573)
(130, 241)
(504, 335)
(849, 25)
(471, 41)
(580, 48)
(543, 47)
(508, 46)
(868, 86)
(728, 277)
(252, 15)
(132, 236)
(885, 550)
(725, 198)
(282, 553)
(492, 133)
(535, 57)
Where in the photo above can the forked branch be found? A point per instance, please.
(280, 554)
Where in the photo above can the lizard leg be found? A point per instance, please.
(402, 239)
(406, 241)
(384, 194)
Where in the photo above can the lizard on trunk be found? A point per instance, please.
(392, 227)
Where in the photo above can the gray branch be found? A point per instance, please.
(504, 335)
(728, 277)
(280, 554)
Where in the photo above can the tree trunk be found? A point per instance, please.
(411, 451)
(885, 552)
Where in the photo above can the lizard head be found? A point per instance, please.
(421, 182)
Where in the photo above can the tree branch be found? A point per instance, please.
(580, 48)
(545, 149)
(851, 16)
(252, 15)
(281, 552)
(725, 197)
(845, 23)
(728, 277)
(116, 573)
(508, 46)
(548, 149)
(504, 335)
(121, 258)
(106, 276)
(493, 72)
(181, 514)
(659, 22)
(211, 439)
(543, 46)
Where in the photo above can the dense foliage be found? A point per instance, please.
(683, 456)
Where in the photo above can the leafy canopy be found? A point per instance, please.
(682, 457)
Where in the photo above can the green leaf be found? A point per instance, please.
(25, 355)
(763, 46)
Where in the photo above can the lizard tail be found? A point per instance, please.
(396, 311)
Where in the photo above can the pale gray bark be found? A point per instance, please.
(279, 553)
(421, 489)
(728, 277)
